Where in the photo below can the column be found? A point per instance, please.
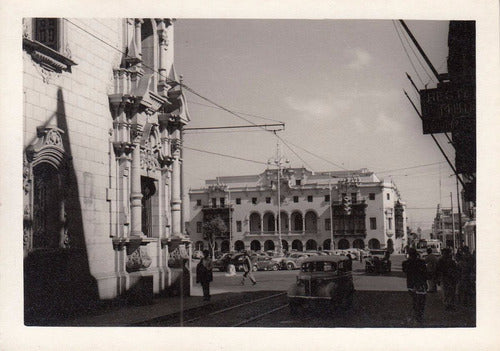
(135, 188)
(176, 190)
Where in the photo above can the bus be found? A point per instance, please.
(423, 245)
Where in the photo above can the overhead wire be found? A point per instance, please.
(407, 54)
(224, 155)
(431, 77)
(243, 113)
(321, 158)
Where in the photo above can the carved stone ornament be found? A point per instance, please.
(49, 147)
(148, 160)
(136, 133)
(26, 175)
(138, 260)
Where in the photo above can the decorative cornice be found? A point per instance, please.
(48, 58)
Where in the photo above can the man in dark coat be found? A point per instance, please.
(416, 282)
(204, 274)
(447, 273)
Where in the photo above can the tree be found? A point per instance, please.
(215, 227)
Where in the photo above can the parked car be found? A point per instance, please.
(265, 264)
(222, 262)
(377, 262)
(239, 258)
(322, 278)
(294, 260)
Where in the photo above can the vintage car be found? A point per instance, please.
(322, 279)
(294, 260)
(262, 263)
(222, 262)
(377, 262)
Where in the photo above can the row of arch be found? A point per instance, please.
(294, 223)
(298, 245)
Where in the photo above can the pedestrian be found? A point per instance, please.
(247, 267)
(416, 273)
(204, 274)
(349, 264)
(447, 276)
(431, 264)
(465, 269)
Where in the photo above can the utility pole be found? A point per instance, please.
(452, 222)
(459, 217)
(331, 211)
(279, 161)
(230, 219)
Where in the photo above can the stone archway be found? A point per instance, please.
(297, 245)
(284, 244)
(255, 223)
(239, 245)
(269, 245)
(255, 245)
(311, 244)
(297, 222)
(343, 244)
(269, 222)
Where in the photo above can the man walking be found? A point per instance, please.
(247, 267)
(204, 274)
(416, 283)
(447, 275)
(431, 263)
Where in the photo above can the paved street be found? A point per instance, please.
(380, 301)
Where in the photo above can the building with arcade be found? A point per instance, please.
(312, 211)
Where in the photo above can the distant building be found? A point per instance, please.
(444, 224)
(312, 211)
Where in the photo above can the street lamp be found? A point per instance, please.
(279, 161)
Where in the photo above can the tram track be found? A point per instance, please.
(236, 315)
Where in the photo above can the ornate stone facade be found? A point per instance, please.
(102, 180)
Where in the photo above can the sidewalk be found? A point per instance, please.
(161, 306)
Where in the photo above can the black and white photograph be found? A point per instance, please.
(205, 180)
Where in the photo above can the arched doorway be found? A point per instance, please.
(390, 246)
(268, 245)
(343, 244)
(255, 245)
(284, 222)
(297, 245)
(311, 245)
(255, 223)
(47, 202)
(269, 222)
(374, 244)
(311, 222)
(327, 244)
(239, 245)
(284, 244)
(358, 244)
(199, 246)
(297, 223)
(224, 246)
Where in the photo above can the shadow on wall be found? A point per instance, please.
(57, 281)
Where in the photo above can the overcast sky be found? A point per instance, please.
(338, 87)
